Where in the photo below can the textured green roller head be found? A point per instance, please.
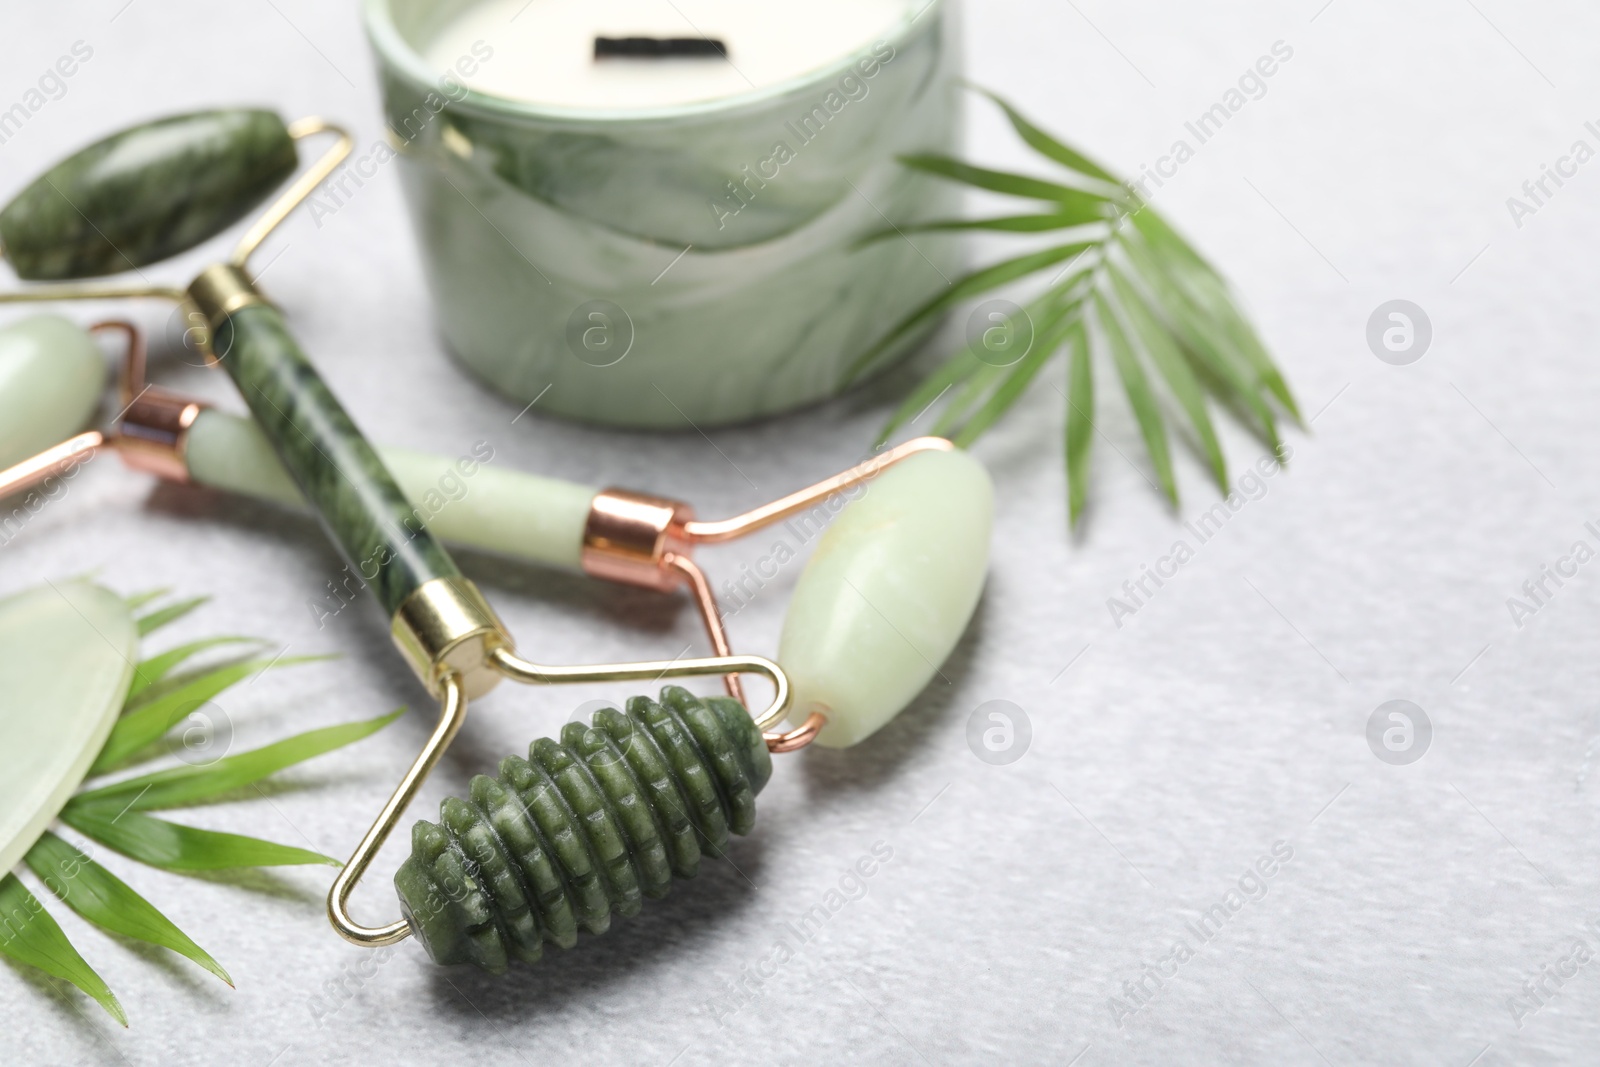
(146, 193)
(582, 829)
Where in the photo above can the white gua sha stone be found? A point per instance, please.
(66, 658)
(879, 606)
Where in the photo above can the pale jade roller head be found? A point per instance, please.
(888, 593)
(51, 380)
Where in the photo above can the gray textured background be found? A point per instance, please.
(1230, 713)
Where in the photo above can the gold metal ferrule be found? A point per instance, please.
(219, 291)
(445, 628)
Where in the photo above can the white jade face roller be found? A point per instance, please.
(886, 595)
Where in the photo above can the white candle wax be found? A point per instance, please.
(544, 49)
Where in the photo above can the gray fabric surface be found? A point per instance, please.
(1167, 755)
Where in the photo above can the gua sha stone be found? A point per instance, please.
(145, 194)
(66, 659)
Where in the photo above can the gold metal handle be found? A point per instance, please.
(517, 669)
(292, 196)
(452, 713)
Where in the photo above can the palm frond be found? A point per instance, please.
(1080, 421)
(145, 722)
(31, 936)
(1139, 297)
(105, 900)
(149, 624)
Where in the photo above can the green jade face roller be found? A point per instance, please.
(584, 827)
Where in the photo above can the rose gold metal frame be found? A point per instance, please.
(151, 431)
(646, 541)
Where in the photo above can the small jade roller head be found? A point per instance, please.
(146, 194)
(51, 380)
(887, 593)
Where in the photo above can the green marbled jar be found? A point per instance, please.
(545, 231)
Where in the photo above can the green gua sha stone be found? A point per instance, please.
(146, 193)
(582, 829)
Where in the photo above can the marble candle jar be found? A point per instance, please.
(667, 266)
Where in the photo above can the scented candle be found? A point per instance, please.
(646, 213)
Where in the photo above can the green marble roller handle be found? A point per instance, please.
(466, 501)
(337, 471)
(146, 193)
(582, 829)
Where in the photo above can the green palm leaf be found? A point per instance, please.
(1194, 273)
(29, 935)
(972, 391)
(157, 698)
(174, 847)
(152, 622)
(149, 721)
(951, 373)
(1056, 220)
(1235, 380)
(980, 281)
(1156, 303)
(1140, 397)
(1049, 332)
(178, 786)
(1080, 420)
(135, 601)
(1159, 346)
(105, 900)
(997, 181)
(150, 671)
(1051, 148)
